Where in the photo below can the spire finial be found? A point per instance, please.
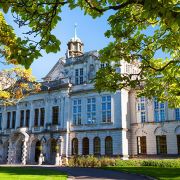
(75, 34)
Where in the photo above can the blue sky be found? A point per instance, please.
(90, 31)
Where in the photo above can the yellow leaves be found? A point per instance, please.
(4, 95)
(18, 93)
(24, 73)
(18, 83)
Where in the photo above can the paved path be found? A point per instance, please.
(98, 174)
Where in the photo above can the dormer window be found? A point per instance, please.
(79, 76)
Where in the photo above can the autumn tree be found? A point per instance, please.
(130, 22)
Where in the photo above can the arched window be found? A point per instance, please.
(75, 146)
(85, 150)
(108, 146)
(97, 146)
(53, 145)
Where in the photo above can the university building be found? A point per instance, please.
(69, 117)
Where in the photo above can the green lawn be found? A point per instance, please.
(26, 173)
(156, 172)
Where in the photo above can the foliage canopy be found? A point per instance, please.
(130, 20)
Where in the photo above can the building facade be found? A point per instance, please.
(68, 117)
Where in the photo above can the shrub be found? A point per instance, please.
(132, 162)
(92, 161)
(166, 163)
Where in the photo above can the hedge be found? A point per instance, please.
(92, 161)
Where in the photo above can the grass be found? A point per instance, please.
(26, 173)
(156, 172)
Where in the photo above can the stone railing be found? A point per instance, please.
(37, 129)
(53, 127)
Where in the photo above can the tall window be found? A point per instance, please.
(75, 146)
(0, 121)
(79, 76)
(97, 146)
(27, 117)
(21, 118)
(106, 108)
(42, 111)
(108, 146)
(13, 119)
(141, 144)
(55, 115)
(177, 114)
(178, 143)
(85, 150)
(159, 111)
(8, 119)
(103, 65)
(161, 144)
(91, 110)
(77, 111)
(36, 117)
(142, 109)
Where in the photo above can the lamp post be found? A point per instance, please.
(58, 160)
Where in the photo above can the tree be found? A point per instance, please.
(129, 23)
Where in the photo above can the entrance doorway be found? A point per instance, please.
(53, 151)
(141, 144)
(19, 149)
(178, 143)
(37, 151)
(5, 152)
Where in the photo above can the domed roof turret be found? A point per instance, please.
(75, 45)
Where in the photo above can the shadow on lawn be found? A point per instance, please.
(157, 172)
(30, 171)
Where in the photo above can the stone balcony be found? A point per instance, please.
(53, 127)
(37, 129)
(8, 131)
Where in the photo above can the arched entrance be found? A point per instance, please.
(5, 152)
(38, 149)
(19, 149)
(52, 149)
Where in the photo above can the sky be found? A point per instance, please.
(90, 31)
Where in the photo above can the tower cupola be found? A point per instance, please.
(75, 45)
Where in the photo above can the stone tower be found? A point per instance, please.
(75, 46)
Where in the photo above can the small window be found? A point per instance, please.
(97, 146)
(177, 114)
(106, 108)
(85, 149)
(22, 118)
(0, 121)
(36, 117)
(161, 144)
(77, 111)
(108, 146)
(27, 117)
(178, 143)
(75, 146)
(55, 115)
(8, 119)
(13, 119)
(42, 111)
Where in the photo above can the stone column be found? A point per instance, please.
(24, 151)
(58, 160)
(10, 149)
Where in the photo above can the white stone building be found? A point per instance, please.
(68, 117)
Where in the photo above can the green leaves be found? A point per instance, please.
(141, 30)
